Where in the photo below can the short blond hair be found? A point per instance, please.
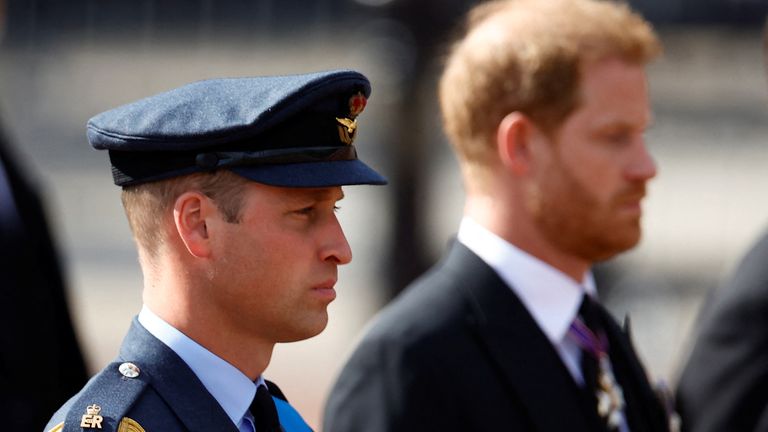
(147, 204)
(525, 56)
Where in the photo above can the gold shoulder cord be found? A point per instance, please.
(57, 428)
(129, 425)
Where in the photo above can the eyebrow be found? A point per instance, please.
(612, 120)
(323, 194)
(611, 124)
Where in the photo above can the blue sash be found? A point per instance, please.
(290, 419)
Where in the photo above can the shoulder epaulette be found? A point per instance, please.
(103, 403)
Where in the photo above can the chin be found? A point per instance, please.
(612, 243)
(619, 245)
(305, 330)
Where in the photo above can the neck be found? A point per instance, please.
(510, 220)
(176, 294)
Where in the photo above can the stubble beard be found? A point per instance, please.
(578, 224)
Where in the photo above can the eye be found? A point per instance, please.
(306, 211)
(315, 210)
(617, 137)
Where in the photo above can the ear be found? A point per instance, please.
(513, 142)
(190, 214)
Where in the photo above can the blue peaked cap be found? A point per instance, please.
(292, 131)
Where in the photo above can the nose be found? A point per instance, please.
(336, 248)
(642, 167)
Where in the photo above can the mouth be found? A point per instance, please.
(325, 290)
(631, 208)
(632, 202)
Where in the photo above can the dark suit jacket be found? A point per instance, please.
(166, 396)
(457, 351)
(41, 364)
(724, 385)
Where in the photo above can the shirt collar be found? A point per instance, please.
(231, 388)
(550, 296)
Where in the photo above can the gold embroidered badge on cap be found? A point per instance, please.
(348, 125)
(91, 419)
(129, 425)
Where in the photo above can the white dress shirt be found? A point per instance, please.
(551, 297)
(231, 388)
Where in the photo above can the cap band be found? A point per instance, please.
(275, 156)
(133, 167)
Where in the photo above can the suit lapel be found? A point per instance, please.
(527, 361)
(175, 382)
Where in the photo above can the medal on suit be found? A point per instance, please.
(610, 397)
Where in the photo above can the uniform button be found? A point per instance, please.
(129, 370)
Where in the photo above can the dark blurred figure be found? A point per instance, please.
(40, 360)
(724, 384)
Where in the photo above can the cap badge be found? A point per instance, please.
(91, 419)
(348, 125)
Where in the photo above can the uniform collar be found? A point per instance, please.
(550, 296)
(231, 388)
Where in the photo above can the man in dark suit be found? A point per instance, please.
(230, 187)
(41, 364)
(545, 103)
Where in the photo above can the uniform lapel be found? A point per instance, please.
(527, 361)
(175, 382)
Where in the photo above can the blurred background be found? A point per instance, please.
(63, 62)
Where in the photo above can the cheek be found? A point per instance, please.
(595, 176)
(278, 258)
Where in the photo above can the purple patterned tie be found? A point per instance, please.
(589, 335)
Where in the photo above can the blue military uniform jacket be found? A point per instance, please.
(149, 388)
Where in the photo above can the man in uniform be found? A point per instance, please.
(230, 188)
(546, 104)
